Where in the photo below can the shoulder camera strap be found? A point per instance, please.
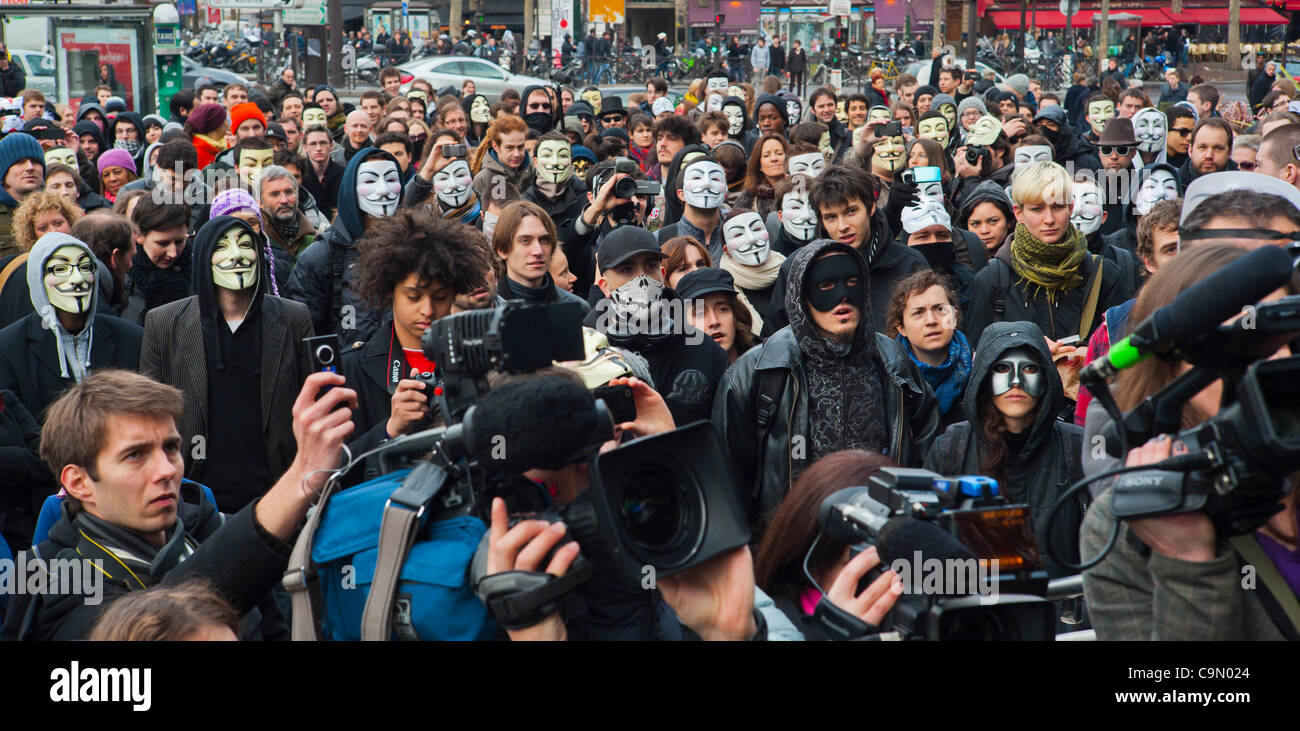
(1279, 601)
(1090, 304)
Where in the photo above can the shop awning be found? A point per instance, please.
(1219, 16)
(1053, 19)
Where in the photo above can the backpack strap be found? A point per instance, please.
(771, 383)
(10, 268)
(300, 578)
(1001, 283)
(1090, 304)
(1278, 599)
(336, 283)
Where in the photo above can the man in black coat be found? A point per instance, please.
(237, 353)
(12, 77)
(113, 443)
(64, 339)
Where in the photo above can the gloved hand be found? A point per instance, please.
(902, 193)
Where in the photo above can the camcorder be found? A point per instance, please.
(958, 525)
(667, 502)
(1238, 461)
(626, 214)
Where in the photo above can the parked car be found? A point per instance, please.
(191, 72)
(489, 78)
(39, 67)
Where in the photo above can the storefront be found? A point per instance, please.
(812, 25)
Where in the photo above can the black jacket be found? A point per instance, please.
(13, 79)
(322, 279)
(767, 460)
(25, 481)
(325, 189)
(238, 556)
(686, 366)
(29, 363)
(797, 62)
(1037, 470)
(1026, 302)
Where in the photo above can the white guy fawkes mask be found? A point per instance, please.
(949, 113)
(452, 184)
(735, 117)
(792, 111)
(234, 260)
(713, 103)
(593, 98)
(984, 131)
(61, 156)
(824, 144)
(1158, 186)
(888, 154)
(735, 90)
(638, 307)
(717, 83)
(878, 114)
(1086, 214)
(841, 113)
(1098, 114)
(797, 217)
(746, 239)
(379, 187)
(313, 117)
(479, 111)
(554, 161)
(934, 128)
(704, 185)
(1030, 154)
(931, 192)
(251, 163)
(1149, 125)
(809, 163)
(70, 279)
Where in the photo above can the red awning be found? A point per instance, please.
(1219, 16)
(1044, 19)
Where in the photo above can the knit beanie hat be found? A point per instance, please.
(17, 147)
(923, 91)
(154, 120)
(940, 99)
(207, 118)
(115, 104)
(245, 111)
(116, 158)
(1020, 83)
(972, 102)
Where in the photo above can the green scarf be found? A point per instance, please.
(1054, 268)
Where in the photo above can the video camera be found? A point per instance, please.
(961, 524)
(625, 214)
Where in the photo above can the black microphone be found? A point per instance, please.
(536, 423)
(903, 537)
(1198, 309)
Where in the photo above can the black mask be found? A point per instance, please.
(941, 255)
(540, 121)
(837, 269)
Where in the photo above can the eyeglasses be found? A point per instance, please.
(63, 270)
(1246, 166)
(1121, 150)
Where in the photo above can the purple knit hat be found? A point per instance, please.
(117, 158)
(206, 117)
(236, 200)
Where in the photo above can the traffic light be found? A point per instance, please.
(717, 19)
(480, 19)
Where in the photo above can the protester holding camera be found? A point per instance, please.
(411, 266)
(1177, 577)
(827, 382)
(236, 351)
(1012, 435)
(1045, 275)
(606, 210)
(779, 566)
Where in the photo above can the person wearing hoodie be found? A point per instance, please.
(503, 154)
(537, 109)
(825, 383)
(556, 189)
(126, 132)
(640, 314)
(739, 124)
(1150, 186)
(478, 113)
(844, 198)
(1011, 434)
(63, 339)
(322, 279)
(986, 212)
(769, 119)
(700, 189)
(92, 145)
(1045, 273)
(236, 352)
(749, 258)
(1151, 128)
(1067, 147)
(22, 172)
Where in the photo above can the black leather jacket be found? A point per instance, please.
(768, 460)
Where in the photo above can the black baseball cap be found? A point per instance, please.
(275, 131)
(697, 283)
(624, 243)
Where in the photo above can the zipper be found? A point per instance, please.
(789, 451)
(898, 436)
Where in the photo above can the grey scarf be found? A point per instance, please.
(845, 393)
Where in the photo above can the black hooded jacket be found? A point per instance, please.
(769, 457)
(887, 262)
(89, 173)
(472, 139)
(135, 120)
(1037, 470)
(986, 191)
(754, 134)
(735, 101)
(323, 277)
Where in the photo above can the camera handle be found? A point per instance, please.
(1160, 413)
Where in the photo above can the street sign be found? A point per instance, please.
(251, 4)
(312, 12)
(840, 7)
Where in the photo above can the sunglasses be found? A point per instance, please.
(612, 118)
(1180, 131)
(1121, 150)
(1247, 167)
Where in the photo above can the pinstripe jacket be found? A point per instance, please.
(172, 352)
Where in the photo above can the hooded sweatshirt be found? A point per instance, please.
(1035, 471)
(73, 348)
(135, 120)
(776, 102)
(845, 394)
(521, 177)
(471, 139)
(540, 121)
(987, 191)
(735, 101)
(675, 206)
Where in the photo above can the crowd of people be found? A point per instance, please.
(839, 282)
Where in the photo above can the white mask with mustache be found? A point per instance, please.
(1149, 125)
(452, 184)
(746, 239)
(1086, 215)
(704, 185)
(797, 217)
(379, 187)
(69, 279)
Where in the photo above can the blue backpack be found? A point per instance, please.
(422, 591)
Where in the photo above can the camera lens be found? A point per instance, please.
(624, 188)
(651, 511)
(324, 354)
